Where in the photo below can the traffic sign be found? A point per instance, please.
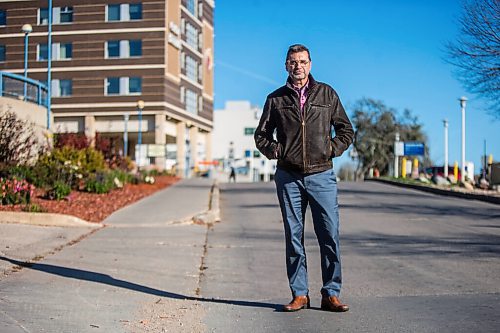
(414, 148)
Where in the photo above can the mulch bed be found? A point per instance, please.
(96, 207)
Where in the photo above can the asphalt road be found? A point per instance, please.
(412, 262)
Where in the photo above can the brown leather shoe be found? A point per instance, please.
(333, 304)
(298, 303)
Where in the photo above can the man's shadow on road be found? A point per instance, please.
(109, 280)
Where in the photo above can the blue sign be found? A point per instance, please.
(414, 148)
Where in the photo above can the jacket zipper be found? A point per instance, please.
(304, 143)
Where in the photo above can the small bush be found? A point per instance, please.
(14, 191)
(59, 191)
(34, 208)
(100, 183)
(68, 165)
(72, 140)
(122, 176)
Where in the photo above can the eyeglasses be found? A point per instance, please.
(301, 63)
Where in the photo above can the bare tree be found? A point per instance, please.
(18, 142)
(376, 125)
(476, 53)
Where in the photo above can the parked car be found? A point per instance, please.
(439, 171)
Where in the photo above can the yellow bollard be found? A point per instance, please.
(455, 171)
(414, 172)
(403, 167)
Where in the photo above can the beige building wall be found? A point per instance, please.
(30, 112)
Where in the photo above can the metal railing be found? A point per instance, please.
(22, 88)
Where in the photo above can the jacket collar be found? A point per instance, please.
(311, 82)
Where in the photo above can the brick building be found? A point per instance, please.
(109, 55)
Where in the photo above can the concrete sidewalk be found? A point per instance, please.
(129, 276)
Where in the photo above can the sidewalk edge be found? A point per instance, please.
(46, 219)
(480, 197)
(212, 215)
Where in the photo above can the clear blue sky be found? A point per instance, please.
(391, 50)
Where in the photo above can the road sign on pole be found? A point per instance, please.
(414, 148)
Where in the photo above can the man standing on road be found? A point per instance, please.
(302, 112)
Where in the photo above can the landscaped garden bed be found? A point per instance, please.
(69, 173)
(93, 207)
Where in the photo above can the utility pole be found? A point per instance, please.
(445, 123)
(463, 101)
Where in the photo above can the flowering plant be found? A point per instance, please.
(149, 180)
(14, 191)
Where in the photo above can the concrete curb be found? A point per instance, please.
(212, 215)
(46, 219)
(435, 190)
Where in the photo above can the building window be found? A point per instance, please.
(183, 60)
(60, 51)
(200, 103)
(66, 15)
(135, 11)
(43, 52)
(113, 49)
(191, 6)
(200, 41)
(183, 95)
(135, 47)
(59, 15)
(43, 16)
(2, 53)
(66, 87)
(191, 35)
(61, 88)
(113, 12)
(191, 68)
(200, 9)
(123, 48)
(65, 51)
(135, 85)
(3, 17)
(123, 85)
(124, 12)
(249, 130)
(183, 26)
(113, 86)
(191, 101)
(200, 73)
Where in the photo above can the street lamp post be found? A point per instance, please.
(396, 156)
(140, 106)
(445, 123)
(463, 101)
(49, 67)
(27, 29)
(125, 134)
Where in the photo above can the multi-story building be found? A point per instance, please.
(234, 145)
(107, 56)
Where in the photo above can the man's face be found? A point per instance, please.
(298, 66)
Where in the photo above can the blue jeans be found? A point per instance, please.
(319, 190)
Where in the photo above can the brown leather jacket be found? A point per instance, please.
(304, 140)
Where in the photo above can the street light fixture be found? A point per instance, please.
(463, 101)
(445, 123)
(27, 29)
(140, 107)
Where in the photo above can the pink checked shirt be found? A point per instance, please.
(302, 92)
